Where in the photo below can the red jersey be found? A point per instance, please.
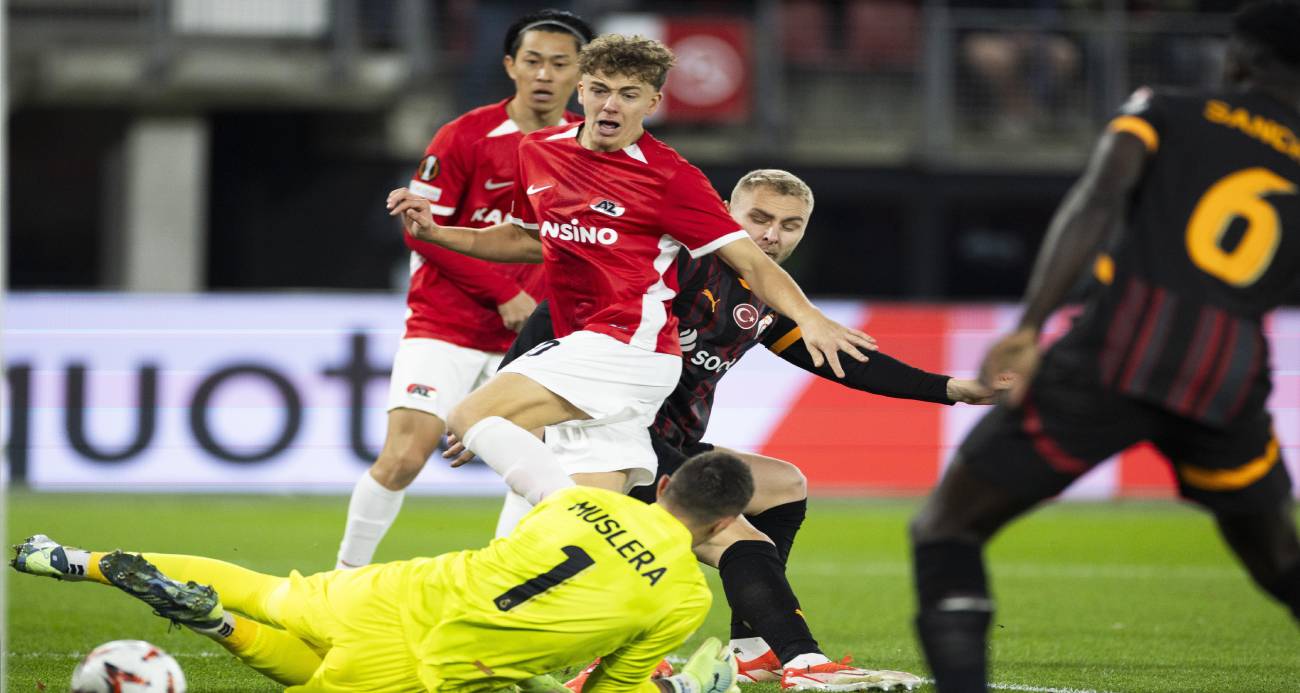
(468, 176)
(611, 225)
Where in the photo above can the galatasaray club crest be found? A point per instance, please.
(745, 315)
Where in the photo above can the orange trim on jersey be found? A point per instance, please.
(1231, 479)
(1137, 127)
(784, 343)
(1104, 269)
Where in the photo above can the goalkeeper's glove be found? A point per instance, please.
(712, 669)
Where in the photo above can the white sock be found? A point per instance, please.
(810, 659)
(525, 463)
(370, 513)
(221, 631)
(748, 648)
(512, 511)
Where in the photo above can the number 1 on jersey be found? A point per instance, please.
(575, 562)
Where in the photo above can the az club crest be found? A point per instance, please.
(425, 391)
(609, 207)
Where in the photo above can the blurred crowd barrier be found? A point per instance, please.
(281, 392)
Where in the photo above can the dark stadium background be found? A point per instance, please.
(930, 181)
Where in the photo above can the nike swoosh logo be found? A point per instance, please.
(496, 186)
(533, 189)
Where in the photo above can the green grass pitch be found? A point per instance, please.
(1106, 597)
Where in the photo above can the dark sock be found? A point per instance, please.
(753, 578)
(1286, 588)
(954, 616)
(781, 523)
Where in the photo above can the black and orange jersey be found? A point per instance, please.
(719, 319)
(1211, 243)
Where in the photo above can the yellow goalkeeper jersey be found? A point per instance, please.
(587, 573)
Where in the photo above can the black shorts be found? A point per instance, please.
(1069, 424)
(671, 458)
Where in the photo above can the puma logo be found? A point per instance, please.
(713, 302)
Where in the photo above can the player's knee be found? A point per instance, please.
(778, 483)
(463, 417)
(795, 484)
(928, 525)
(395, 470)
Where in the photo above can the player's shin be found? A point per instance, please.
(513, 510)
(955, 612)
(274, 653)
(753, 578)
(1286, 589)
(525, 463)
(781, 523)
(371, 511)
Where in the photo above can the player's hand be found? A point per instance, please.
(825, 339)
(515, 312)
(456, 451)
(975, 392)
(712, 669)
(415, 213)
(1012, 362)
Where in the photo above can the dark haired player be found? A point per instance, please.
(589, 572)
(464, 312)
(719, 320)
(1169, 349)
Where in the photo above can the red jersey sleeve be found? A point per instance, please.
(444, 171)
(475, 277)
(522, 213)
(696, 215)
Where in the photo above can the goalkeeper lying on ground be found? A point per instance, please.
(587, 573)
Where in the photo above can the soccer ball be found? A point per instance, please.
(128, 666)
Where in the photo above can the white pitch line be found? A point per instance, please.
(1041, 689)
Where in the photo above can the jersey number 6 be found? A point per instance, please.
(1237, 195)
(575, 562)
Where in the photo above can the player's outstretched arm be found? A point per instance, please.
(824, 338)
(1090, 210)
(884, 375)
(500, 243)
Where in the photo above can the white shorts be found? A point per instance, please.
(621, 388)
(433, 376)
(581, 448)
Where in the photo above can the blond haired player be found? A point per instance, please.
(587, 573)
